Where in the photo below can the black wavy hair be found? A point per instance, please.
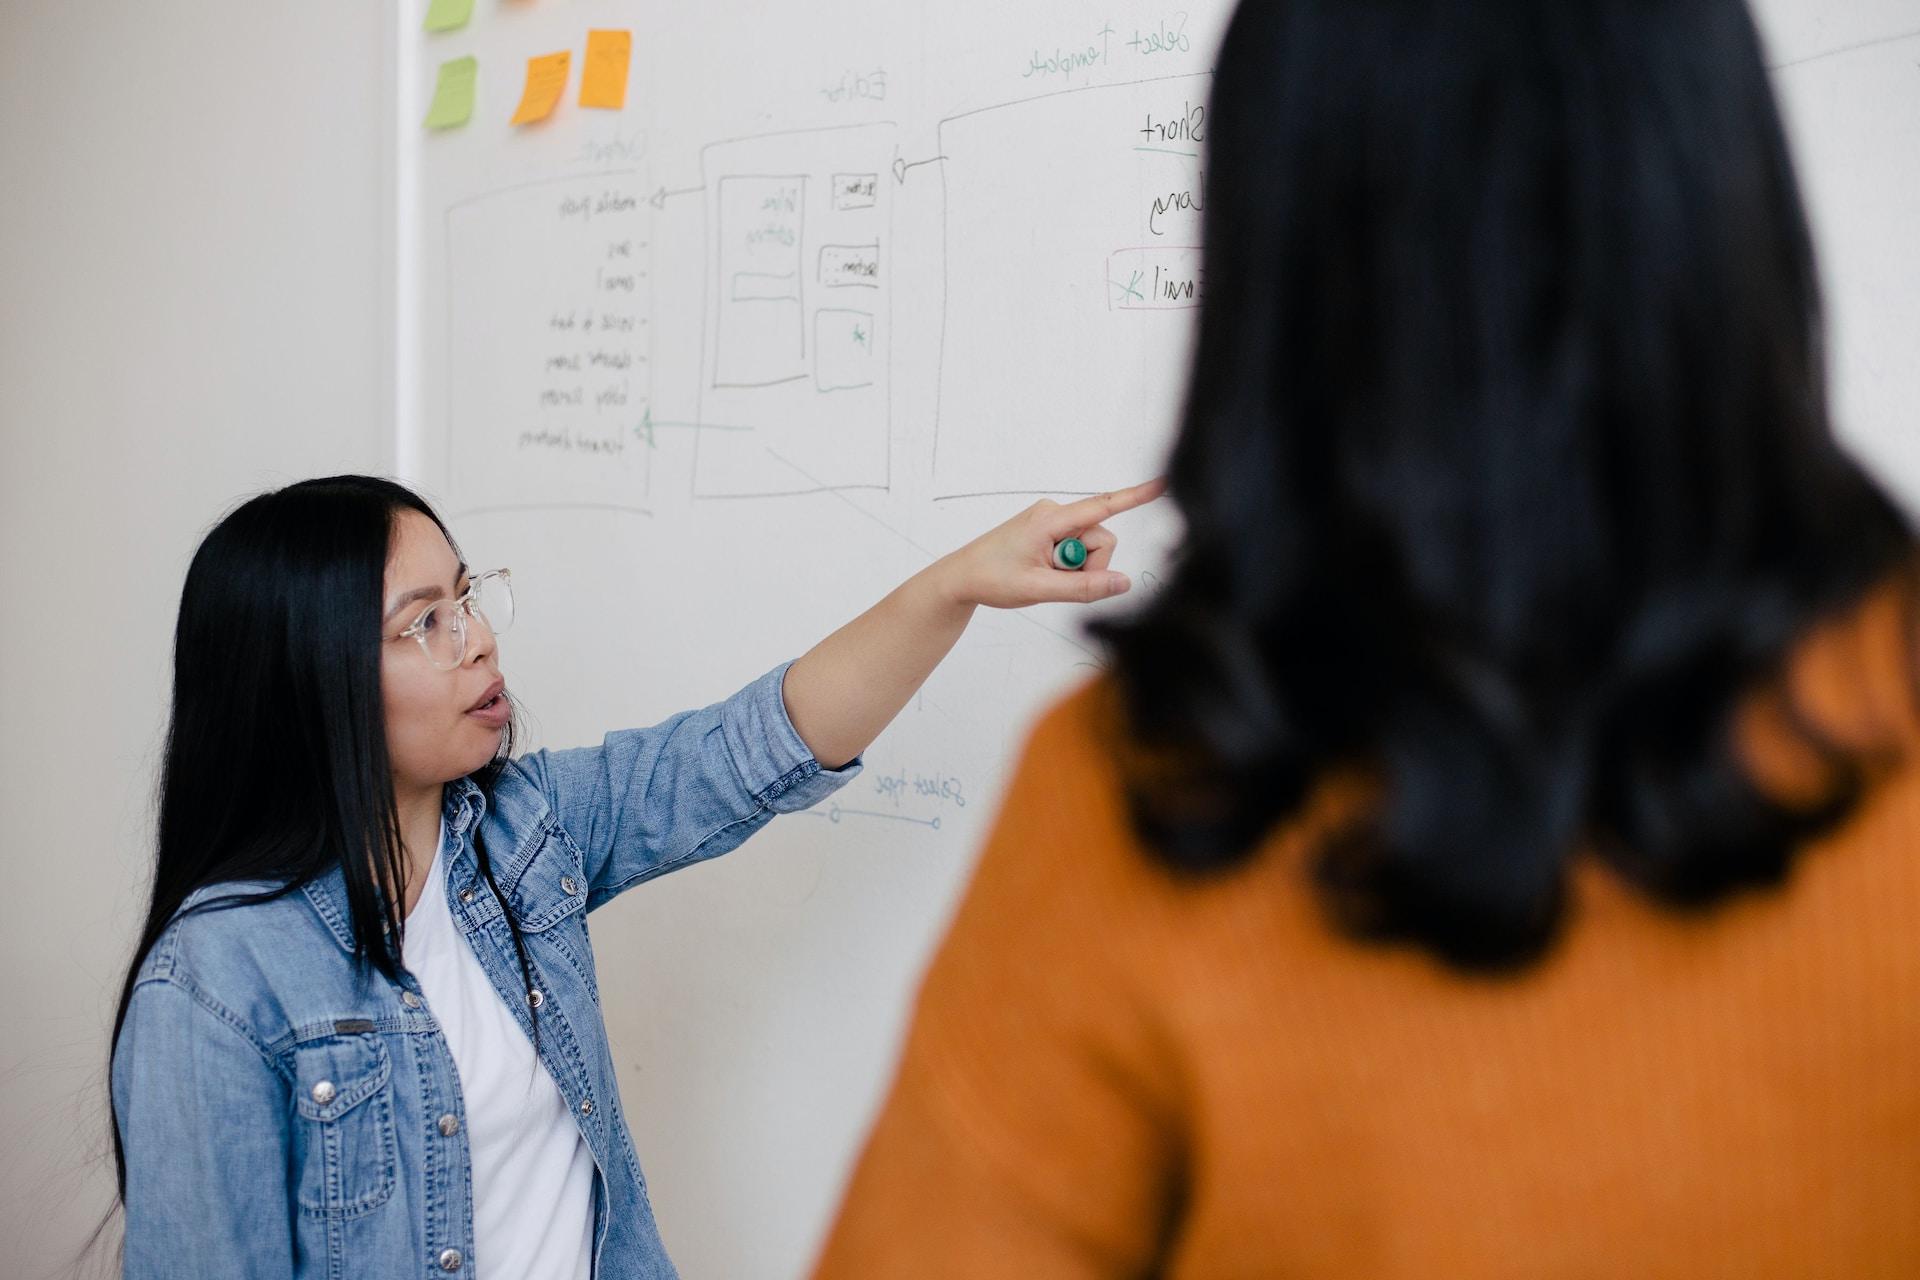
(275, 766)
(1506, 463)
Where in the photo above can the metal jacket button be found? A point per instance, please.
(569, 884)
(409, 999)
(586, 1106)
(449, 1125)
(536, 998)
(466, 895)
(323, 1092)
(450, 1259)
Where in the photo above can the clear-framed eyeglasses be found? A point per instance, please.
(442, 629)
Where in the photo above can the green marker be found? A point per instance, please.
(1070, 553)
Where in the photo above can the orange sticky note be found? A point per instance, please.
(546, 81)
(603, 78)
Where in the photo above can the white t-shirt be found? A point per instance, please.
(532, 1172)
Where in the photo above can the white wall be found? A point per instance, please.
(192, 307)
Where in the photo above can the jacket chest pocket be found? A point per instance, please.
(550, 903)
(344, 1145)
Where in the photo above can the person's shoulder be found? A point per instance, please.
(268, 957)
(1075, 752)
(1850, 680)
(1860, 667)
(1085, 722)
(1082, 764)
(228, 941)
(1071, 803)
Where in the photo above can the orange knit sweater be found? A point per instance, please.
(1112, 1072)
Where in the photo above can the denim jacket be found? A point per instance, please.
(283, 1118)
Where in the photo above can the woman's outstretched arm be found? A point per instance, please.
(842, 692)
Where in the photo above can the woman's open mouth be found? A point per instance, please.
(495, 709)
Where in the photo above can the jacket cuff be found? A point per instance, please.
(773, 761)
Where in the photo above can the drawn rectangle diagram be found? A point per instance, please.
(850, 265)
(843, 342)
(762, 336)
(766, 286)
(1155, 277)
(793, 386)
(855, 191)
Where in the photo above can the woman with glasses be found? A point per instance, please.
(361, 1032)
(1496, 852)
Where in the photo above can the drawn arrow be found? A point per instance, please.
(659, 198)
(834, 813)
(900, 166)
(649, 424)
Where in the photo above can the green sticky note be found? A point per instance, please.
(453, 93)
(445, 15)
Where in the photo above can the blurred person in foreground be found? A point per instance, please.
(1494, 853)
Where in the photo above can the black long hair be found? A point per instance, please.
(276, 763)
(1505, 460)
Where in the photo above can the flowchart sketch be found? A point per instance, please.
(794, 387)
(548, 358)
(1066, 335)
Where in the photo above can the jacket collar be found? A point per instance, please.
(462, 805)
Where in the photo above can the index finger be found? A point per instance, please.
(1088, 512)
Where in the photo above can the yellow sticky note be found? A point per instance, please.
(546, 81)
(453, 93)
(445, 15)
(603, 77)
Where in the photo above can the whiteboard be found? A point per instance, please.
(842, 285)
